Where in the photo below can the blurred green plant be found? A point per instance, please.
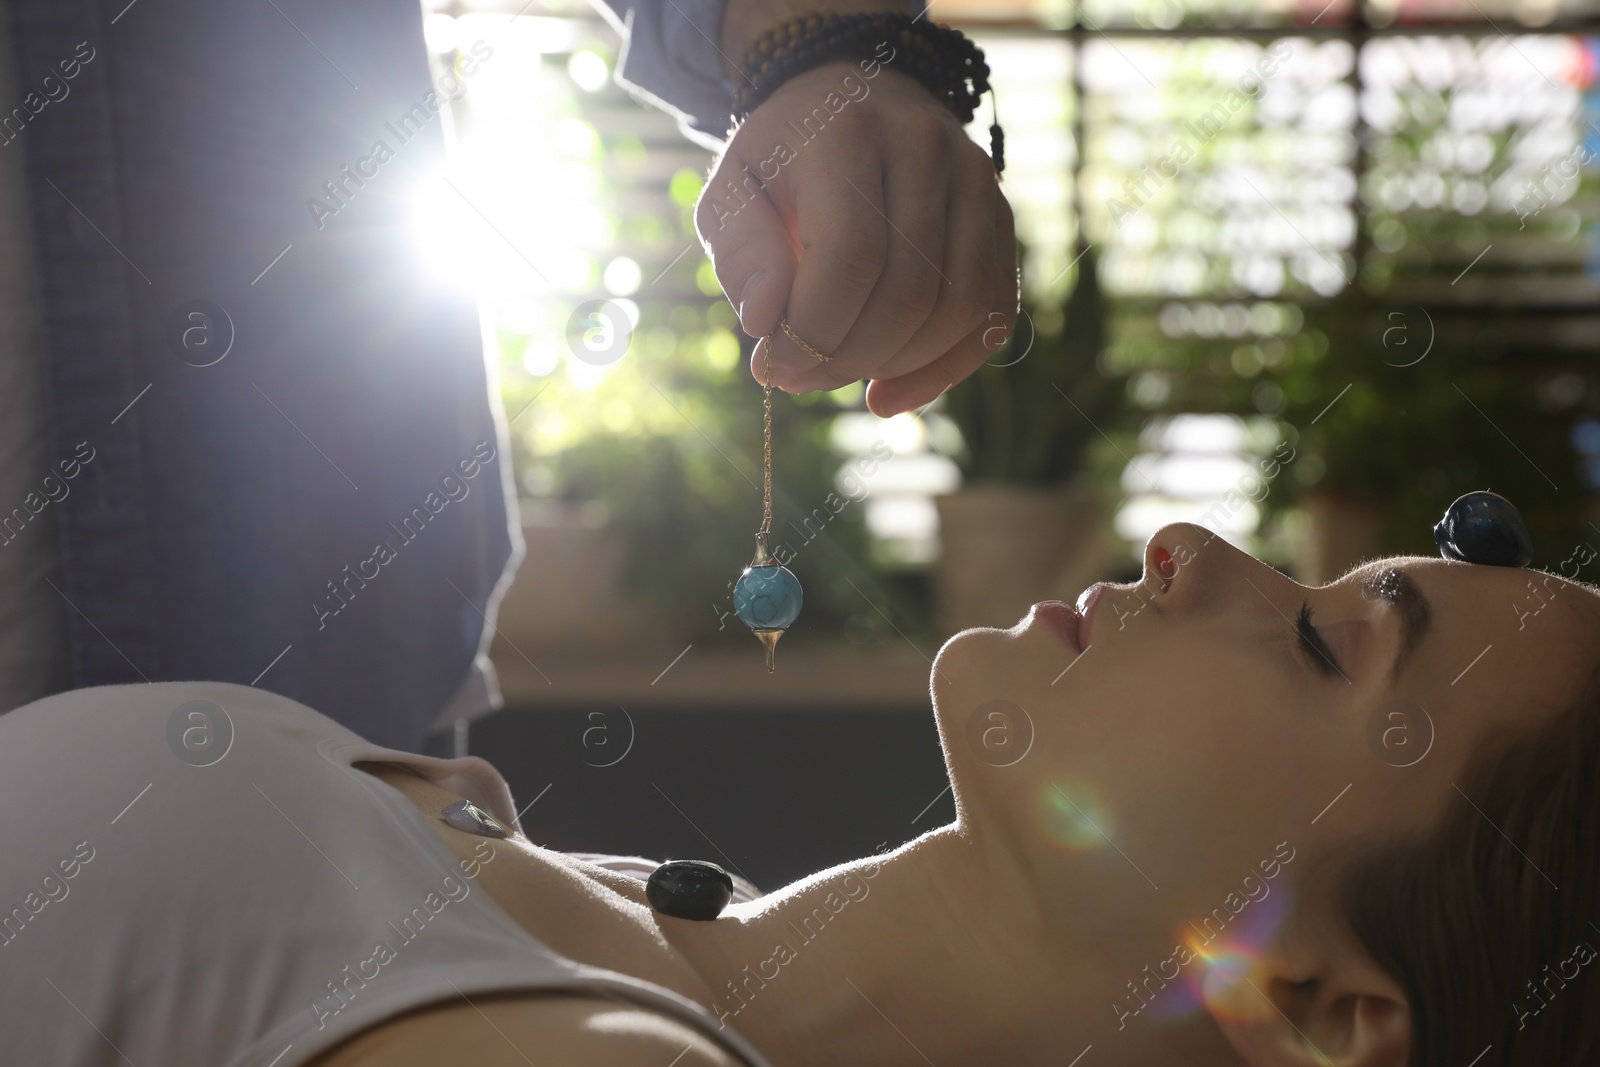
(1411, 439)
(1032, 414)
(1373, 419)
(670, 443)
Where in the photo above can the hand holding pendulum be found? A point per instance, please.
(767, 596)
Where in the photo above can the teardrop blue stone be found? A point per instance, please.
(767, 598)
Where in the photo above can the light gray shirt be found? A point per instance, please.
(194, 873)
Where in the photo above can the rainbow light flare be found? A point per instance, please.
(1225, 957)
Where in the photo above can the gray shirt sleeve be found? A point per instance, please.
(671, 59)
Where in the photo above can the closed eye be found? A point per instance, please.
(1316, 649)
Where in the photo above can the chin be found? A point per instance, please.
(974, 666)
(982, 696)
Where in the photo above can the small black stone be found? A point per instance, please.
(1483, 527)
(689, 889)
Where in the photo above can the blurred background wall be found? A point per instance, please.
(1302, 273)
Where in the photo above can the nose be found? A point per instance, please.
(1170, 549)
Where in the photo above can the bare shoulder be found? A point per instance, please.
(514, 1030)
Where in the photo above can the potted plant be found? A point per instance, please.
(1389, 411)
(1392, 436)
(1030, 521)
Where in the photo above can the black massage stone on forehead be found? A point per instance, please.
(1483, 527)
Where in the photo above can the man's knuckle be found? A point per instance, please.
(830, 378)
(1008, 217)
(923, 136)
(852, 121)
(972, 157)
(969, 306)
(705, 219)
(911, 301)
(711, 219)
(857, 254)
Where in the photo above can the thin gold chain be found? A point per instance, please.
(805, 346)
(766, 446)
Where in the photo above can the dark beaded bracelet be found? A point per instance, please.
(943, 60)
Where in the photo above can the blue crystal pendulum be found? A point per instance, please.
(767, 596)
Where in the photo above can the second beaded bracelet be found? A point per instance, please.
(942, 59)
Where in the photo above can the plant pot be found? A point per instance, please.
(567, 595)
(1005, 547)
(1341, 530)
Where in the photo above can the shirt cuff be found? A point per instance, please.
(671, 60)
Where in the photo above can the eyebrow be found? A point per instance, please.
(1396, 588)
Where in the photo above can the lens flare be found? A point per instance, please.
(1074, 817)
(1216, 960)
(1233, 977)
(1226, 971)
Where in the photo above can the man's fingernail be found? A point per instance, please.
(751, 285)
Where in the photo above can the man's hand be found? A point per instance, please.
(854, 203)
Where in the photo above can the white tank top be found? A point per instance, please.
(194, 873)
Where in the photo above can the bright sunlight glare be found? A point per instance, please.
(514, 214)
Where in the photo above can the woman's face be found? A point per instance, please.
(1195, 739)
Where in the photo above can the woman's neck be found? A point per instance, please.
(937, 954)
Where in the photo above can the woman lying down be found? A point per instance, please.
(1213, 817)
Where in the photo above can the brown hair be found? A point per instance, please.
(1490, 921)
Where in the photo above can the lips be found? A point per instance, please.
(1061, 619)
(1085, 611)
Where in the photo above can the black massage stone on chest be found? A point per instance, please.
(689, 889)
